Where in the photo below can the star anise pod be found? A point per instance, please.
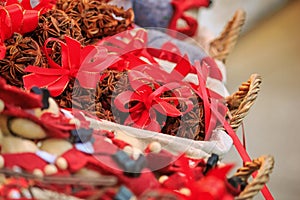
(97, 19)
(56, 23)
(190, 125)
(20, 53)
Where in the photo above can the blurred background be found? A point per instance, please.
(270, 46)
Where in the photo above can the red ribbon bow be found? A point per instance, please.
(131, 48)
(19, 17)
(83, 63)
(179, 8)
(147, 100)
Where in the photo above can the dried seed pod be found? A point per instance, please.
(55, 23)
(100, 101)
(190, 125)
(20, 53)
(97, 19)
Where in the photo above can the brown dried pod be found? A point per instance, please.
(100, 102)
(20, 53)
(55, 23)
(190, 125)
(97, 19)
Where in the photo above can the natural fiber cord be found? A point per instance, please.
(240, 102)
(223, 45)
(264, 165)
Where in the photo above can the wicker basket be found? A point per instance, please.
(221, 46)
(264, 166)
(240, 102)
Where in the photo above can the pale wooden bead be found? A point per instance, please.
(53, 108)
(61, 163)
(56, 146)
(2, 162)
(108, 140)
(38, 172)
(128, 150)
(155, 147)
(17, 169)
(163, 178)
(27, 128)
(185, 191)
(75, 121)
(17, 145)
(2, 105)
(136, 153)
(50, 169)
(14, 194)
(3, 125)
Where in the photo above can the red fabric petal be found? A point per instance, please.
(15, 97)
(24, 160)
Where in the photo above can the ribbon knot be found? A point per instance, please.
(146, 100)
(179, 13)
(83, 63)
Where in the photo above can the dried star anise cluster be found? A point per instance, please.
(55, 24)
(97, 19)
(20, 53)
(96, 101)
(75, 96)
(190, 125)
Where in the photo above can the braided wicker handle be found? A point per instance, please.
(223, 45)
(240, 102)
(264, 165)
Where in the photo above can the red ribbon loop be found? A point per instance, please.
(179, 8)
(83, 63)
(146, 100)
(19, 17)
(143, 73)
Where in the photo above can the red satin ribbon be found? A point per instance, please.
(142, 113)
(179, 8)
(83, 63)
(240, 148)
(42, 6)
(20, 18)
(131, 48)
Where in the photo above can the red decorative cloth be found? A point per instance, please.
(18, 103)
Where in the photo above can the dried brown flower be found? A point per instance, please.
(20, 53)
(97, 19)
